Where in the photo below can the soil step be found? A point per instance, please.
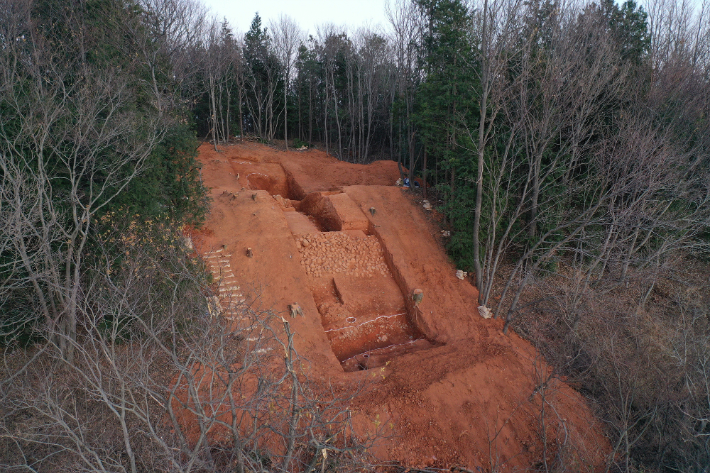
(232, 284)
(228, 287)
(213, 256)
(377, 332)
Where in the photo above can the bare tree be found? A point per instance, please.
(262, 75)
(223, 69)
(408, 27)
(678, 31)
(68, 146)
(170, 30)
(373, 75)
(494, 43)
(287, 37)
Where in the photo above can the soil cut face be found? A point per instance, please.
(353, 250)
(362, 309)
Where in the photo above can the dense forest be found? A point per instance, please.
(566, 144)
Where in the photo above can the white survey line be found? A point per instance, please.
(368, 322)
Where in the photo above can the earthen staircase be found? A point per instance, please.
(229, 302)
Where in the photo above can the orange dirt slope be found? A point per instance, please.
(350, 248)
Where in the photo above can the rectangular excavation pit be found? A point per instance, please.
(363, 307)
(372, 324)
(363, 310)
(334, 211)
(269, 177)
(318, 211)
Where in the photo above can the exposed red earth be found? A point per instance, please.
(350, 248)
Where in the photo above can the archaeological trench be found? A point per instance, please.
(347, 247)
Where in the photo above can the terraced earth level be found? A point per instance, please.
(362, 308)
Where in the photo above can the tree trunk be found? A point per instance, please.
(424, 174)
(286, 110)
(481, 142)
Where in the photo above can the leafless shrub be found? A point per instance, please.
(641, 359)
(157, 384)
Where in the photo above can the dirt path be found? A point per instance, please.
(446, 386)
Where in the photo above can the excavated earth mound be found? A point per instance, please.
(446, 388)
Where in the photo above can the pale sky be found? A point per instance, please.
(306, 13)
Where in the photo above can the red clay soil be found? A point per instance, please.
(446, 387)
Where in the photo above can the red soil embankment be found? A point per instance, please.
(447, 387)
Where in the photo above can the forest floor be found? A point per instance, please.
(441, 387)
